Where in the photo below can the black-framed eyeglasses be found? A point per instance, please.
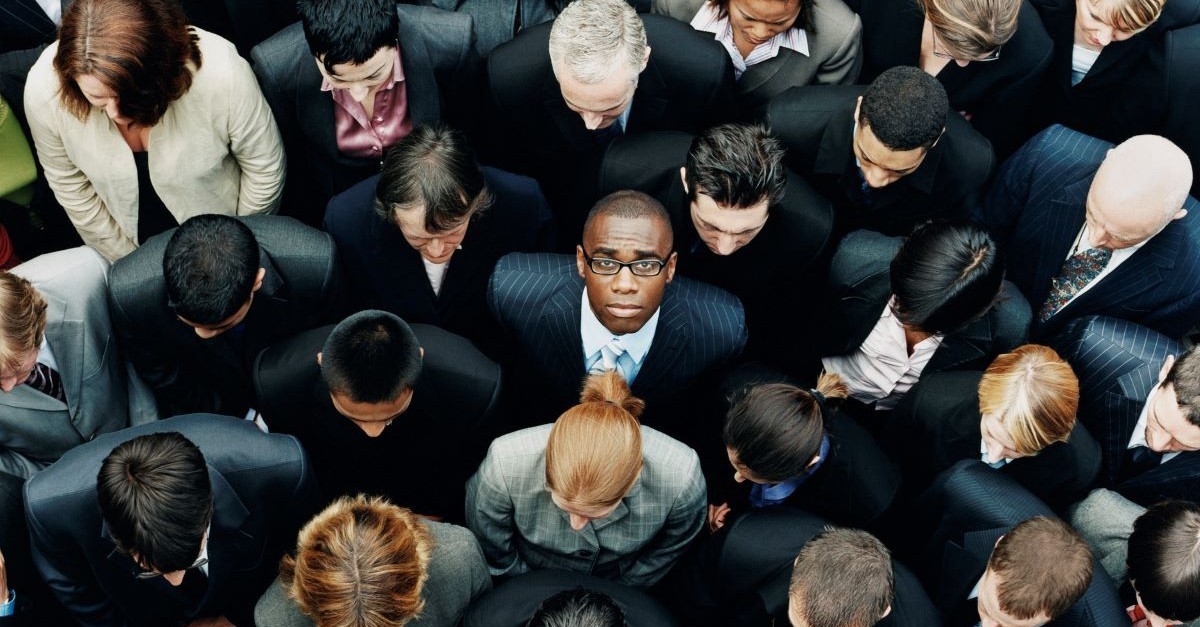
(942, 54)
(608, 267)
(138, 573)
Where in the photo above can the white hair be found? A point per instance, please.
(590, 36)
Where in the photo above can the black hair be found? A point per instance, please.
(156, 499)
(432, 166)
(737, 165)
(630, 205)
(210, 265)
(905, 108)
(1164, 559)
(348, 31)
(945, 276)
(371, 357)
(578, 608)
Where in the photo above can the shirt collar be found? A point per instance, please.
(397, 76)
(596, 335)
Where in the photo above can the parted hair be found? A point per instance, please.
(803, 20)
(1035, 393)
(1164, 559)
(1127, 15)
(210, 265)
(590, 37)
(578, 608)
(1042, 566)
(1184, 376)
(594, 453)
(972, 27)
(433, 169)
(737, 165)
(945, 276)
(842, 578)
(22, 320)
(776, 428)
(905, 108)
(371, 356)
(348, 31)
(141, 49)
(156, 499)
(362, 562)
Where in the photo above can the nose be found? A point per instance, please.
(436, 247)
(112, 110)
(359, 92)
(578, 522)
(592, 120)
(761, 32)
(1104, 35)
(962, 62)
(737, 476)
(174, 577)
(206, 334)
(995, 452)
(372, 429)
(624, 282)
(726, 244)
(1098, 237)
(877, 177)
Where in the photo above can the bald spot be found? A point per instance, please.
(1142, 184)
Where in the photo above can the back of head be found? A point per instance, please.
(362, 562)
(22, 321)
(592, 38)
(432, 169)
(1164, 559)
(1035, 393)
(371, 357)
(777, 428)
(348, 31)
(578, 608)
(905, 108)
(1042, 566)
(1140, 186)
(140, 49)
(945, 276)
(629, 205)
(594, 453)
(737, 165)
(974, 28)
(156, 498)
(1184, 377)
(842, 578)
(210, 265)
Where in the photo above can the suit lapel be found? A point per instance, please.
(570, 125)
(468, 263)
(1142, 271)
(1063, 221)
(666, 349)
(231, 543)
(970, 344)
(560, 324)
(760, 74)
(424, 103)
(66, 342)
(962, 566)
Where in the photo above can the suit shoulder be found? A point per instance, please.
(699, 295)
(683, 10)
(76, 268)
(447, 34)
(834, 21)
(800, 114)
(547, 264)
(519, 196)
(278, 53)
(1063, 148)
(518, 68)
(863, 252)
(686, 59)
(971, 156)
(288, 238)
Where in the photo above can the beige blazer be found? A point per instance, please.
(216, 150)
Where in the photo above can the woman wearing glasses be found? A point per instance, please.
(988, 54)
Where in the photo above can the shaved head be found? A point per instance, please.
(1141, 186)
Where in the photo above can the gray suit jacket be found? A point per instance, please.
(521, 529)
(103, 393)
(834, 53)
(457, 575)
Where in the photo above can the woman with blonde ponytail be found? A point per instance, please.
(595, 492)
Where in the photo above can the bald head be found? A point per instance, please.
(1141, 186)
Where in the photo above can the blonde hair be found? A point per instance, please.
(973, 27)
(22, 320)
(1035, 393)
(1128, 15)
(589, 37)
(594, 454)
(362, 562)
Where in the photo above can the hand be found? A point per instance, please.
(716, 516)
(3, 581)
(211, 621)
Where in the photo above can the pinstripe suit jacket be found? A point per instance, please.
(521, 529)
(968, 508)
(1117, 363)
(1035, 209)
(537, 298)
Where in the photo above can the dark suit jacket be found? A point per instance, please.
(421, 461)
(1125, 92)
(263, 490)
(686, 86)
(1118, 363)
(385, 272)
(936, 425)
(967, 509)
(790, 251)
(513, 602)
(1035, 210)
(740, 575)
(25, 30)
(441, 73)
(1183, 90)
(300, 291)
(816, 124)
(997, 94)
(537, 300)
(861, 286)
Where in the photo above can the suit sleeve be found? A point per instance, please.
(683, 524)
(490, 512)
(14, 463)
(64, 568)
(255, 143)
(845, 63)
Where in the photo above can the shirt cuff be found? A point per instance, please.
(7, 609)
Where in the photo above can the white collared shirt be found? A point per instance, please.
(595, 336)
(1118, 257)
(983, 456)
(709, 20)
(204, 550)
(1139, 430)
(46, 356)
(436, 273)
(881, 371)
(1082, 61)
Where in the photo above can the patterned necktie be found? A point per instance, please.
(46, 380)
(611, 355)
(1082, 268)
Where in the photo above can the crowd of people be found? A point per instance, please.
(600, 313)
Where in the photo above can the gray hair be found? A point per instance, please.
(588, 36)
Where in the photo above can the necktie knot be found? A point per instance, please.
(613, 356)
(46, 380)
(1077, 272)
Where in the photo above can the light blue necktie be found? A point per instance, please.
(613, 356)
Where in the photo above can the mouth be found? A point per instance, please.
(623, 311)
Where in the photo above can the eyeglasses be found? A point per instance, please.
(608, 267)
(138, 573)
(941, 54)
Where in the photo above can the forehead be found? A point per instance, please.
(1118, 207)
(765, 10)
(628, 235)
(91, 86)
(610, 93)
(586, 512)
(878, 153)
(726, 218)
(1173, 418)
(382, 58)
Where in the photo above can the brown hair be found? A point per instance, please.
(362, 562)
(594, 454)
(842, 578)
(22, 320)
(1184, 376)
(973, 27)
(1042, 566)
(140, 49)
(1035, 393)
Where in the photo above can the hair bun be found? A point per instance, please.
(610, 387)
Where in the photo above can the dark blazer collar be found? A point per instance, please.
(650, 99)
(964, 563)
(65, 337)
(670, 338)
(424, 103)
(570, 125)
(560, 319)
(1063, 223)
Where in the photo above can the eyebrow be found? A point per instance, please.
(868, 159)
(642, 255)
(713, 227)
(750, 18)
